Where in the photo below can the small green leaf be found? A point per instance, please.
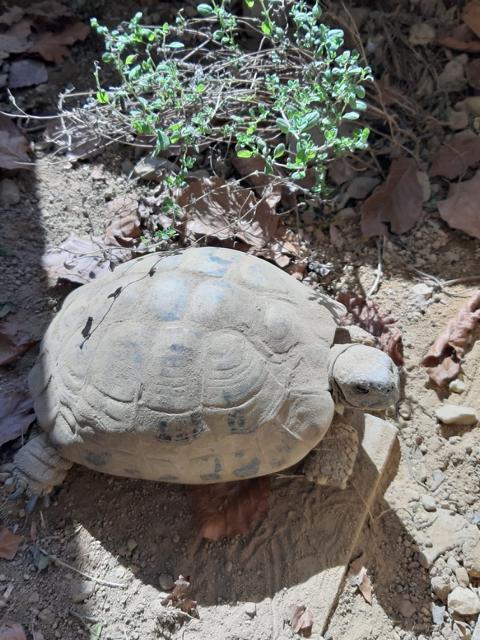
(200, 88)
(351, 115)
(205, 9)
(244, 153)
(360, 105)
(279, 150)
(175, 45)
(266, 28)
(130, 59)
(283, 125)
(163, 141)
(102, 97)
(249, 3)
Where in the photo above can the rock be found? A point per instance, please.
(33, 598)
(456, 414)
(452, 76)
(428, 503)
(422, 291)
(457, 386)
(476, 631)
(457, 120)
(438, 477)
(461, 575)
(153, 168)
(47, 616)
(438, 614)
(166, 581)
(441, 587)
(82, 591)
(446, 531)
(250, 609)
(9, 193)
(27, 73)
(421, 33)
(471, 557)
(360, 187)
(470, 105)
(463, 601)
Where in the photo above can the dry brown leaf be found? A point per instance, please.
(460, 209)
(16, 415)
(180, 596)
(443, 360)
(229, 509)
(10, 630)
(11, 16)
(81, 260)
(13, 146)
(389, 95)
(50, 9)
(340, 171)
(460, 44)
(368, 315)
(215, 208)
(454, 158)
(253, 169)
(53, 47)
(124, 228)
(359, 578)
(14, 341)
(473, 73)
(471, 16)
(395, 206)
(9, 543)
(301, 619)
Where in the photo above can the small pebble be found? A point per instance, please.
(428, 503)
(461, 575)
(438, 614)
(456, 414)
(166, 581)
(132, 545)
(250, 609)
(463, 601)
(457, 386)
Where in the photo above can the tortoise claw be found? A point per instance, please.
(31, 503)
(20, 488)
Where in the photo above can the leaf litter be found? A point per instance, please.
(13, 146)
(460, 153)
(9, 543)
(397, 205)
(16, 415)
(460, 208)
(444, 358)
(359, 578)
(180, 597)
(301, 619)
(381, 325)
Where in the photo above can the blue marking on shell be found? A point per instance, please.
(250, 469)
(209, 477)
(214, 265)
(97, 459)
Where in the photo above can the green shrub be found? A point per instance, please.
(197, 85)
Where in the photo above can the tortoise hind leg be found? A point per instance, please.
(331, 462)
(37, 468)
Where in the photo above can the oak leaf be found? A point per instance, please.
(457, 155)
(396, 205)
(460, 209)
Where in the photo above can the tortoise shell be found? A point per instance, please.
(208, 365)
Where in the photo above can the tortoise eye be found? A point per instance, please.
(361, 389)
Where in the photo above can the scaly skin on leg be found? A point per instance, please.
(331, 462)
(37, 468)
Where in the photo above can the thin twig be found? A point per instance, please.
(62, 563)
(379, 271)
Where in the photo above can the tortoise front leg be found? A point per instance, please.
(333, 459)
(37, 468)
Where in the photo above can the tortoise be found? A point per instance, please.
(208, 365)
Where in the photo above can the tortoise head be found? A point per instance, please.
(362, 377)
